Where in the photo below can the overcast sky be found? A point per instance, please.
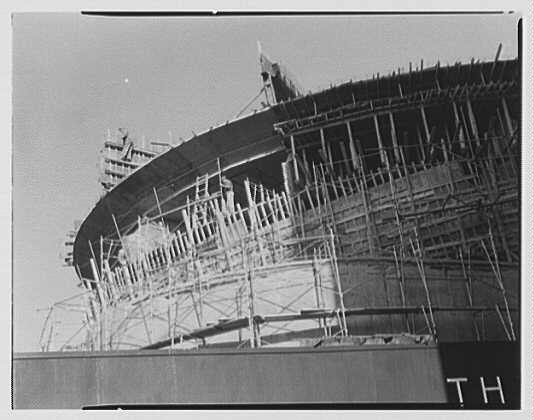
(75, 77)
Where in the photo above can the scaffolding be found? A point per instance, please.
(397, 216)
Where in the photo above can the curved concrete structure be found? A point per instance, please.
(253, 147)
(413, 176)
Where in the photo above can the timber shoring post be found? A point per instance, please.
(146, 327)
(93, 255)
(419, 258)
(329, 207)
(499, 279)
(101, 298)
(392, 184)
(295, 163)
(316, 287)
(353, 151)
(509, 337)
(468, 287)
(382, 152)
(400, 275)
(335, 264)
(254, 339)
(394, 137)
(43, 329)
(102, 259)
(168, 259)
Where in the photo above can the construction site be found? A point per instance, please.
(377, 213)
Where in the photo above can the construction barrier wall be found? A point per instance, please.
(366, 374)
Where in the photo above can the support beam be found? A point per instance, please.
(323, 143)
(370, 232)
(394, 138)
(473, 122)
(493, 67)
(330, 157)
(382, 152)
(295, 163)
(421, 144)
(344, 325)
(507, 117)
(255, 340)
(425, 123)
(188, 227)
(459, 126)
(344, 157)
(355, 160)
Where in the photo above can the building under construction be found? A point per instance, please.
(359, 244)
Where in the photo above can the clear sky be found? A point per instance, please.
(183, 74)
